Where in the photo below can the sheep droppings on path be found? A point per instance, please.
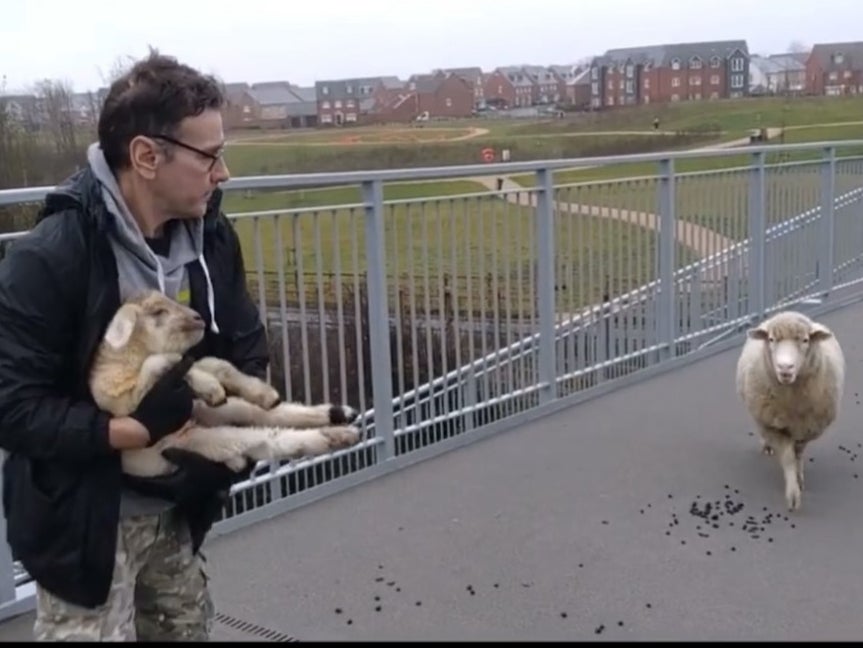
(791, 376)
(236, 417)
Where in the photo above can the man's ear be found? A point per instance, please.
(122, 325)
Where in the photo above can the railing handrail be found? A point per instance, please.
(329, 179)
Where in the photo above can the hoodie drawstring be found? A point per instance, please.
(211, 296)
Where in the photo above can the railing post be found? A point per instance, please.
(666, 327)
(757, 237)
(545, 283)
(379, 317)
(828, 193)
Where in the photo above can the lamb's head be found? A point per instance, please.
(156, 323)
(791, 340)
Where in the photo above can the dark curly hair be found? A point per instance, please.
(152, 98)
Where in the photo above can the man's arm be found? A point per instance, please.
(36, 340)
(248, 347)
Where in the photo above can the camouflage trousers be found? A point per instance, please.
(158, 592)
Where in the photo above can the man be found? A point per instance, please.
(116, 558)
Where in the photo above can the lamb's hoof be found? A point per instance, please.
(214, 397)
(767, 449)
(266, 397)
(342, 414)
(341, 437)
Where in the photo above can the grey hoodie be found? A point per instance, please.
(139, 268)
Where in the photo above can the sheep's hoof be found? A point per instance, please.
(342, 414)
(767, 449)
(793, 496)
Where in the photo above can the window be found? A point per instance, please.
(715, 62)
(647, 84)
(610, 84)
(737, 81)
(594, 88)
(675, 82)
(325, 90)
(675, 64)
(629, 87)
(833, 76)
(737, 65)
(695, 63)
(448, 102)
(675, 97)
(695, 80)
(349, 89)
(838, 59)
(325, 105)
(630, 70)
(338, 103)
(594, 73)
(714, 79)
(714, 95)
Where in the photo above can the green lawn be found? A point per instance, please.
(719, 201)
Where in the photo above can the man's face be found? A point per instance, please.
(184, 181)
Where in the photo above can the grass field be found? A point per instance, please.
(481, 246)
(465, 243)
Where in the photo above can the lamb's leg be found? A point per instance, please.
(236, 382)
(297, 415)
(145, 462)
(230, 444)
(154, 367)
(234, 411)
(206, 387)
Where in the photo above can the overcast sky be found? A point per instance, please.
(301, 41)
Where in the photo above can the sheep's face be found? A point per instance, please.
(789, 345)
(157, 323)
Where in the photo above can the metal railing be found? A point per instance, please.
(447, 318)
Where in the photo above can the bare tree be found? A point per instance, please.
(797, 47)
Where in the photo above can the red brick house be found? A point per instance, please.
(669, 73)
(473, 75)
(437, 95)
(835, 69)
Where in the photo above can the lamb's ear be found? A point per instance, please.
(758, 333)
(121, 327)
(819, 332)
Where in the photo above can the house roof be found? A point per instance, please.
(852, 55)
(472, 74)
(662, 55)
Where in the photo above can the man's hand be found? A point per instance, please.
(195, 480)
(167, 407)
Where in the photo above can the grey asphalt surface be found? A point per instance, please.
(586, 513)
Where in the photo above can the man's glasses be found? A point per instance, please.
(213, 157)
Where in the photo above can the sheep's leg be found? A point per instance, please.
(206, 387)
(783, 447)
(236, 382)
(799, 449)
(154, 367)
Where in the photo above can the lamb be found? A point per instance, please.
(791, 376)
(236, 417)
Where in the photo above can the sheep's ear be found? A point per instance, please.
(758, 333)
(819, 332)
(121, 327)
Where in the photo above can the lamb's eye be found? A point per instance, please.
(160, 312)
(805, 340)
(771, 339)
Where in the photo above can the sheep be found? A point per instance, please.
(235, 416)
(791, 376)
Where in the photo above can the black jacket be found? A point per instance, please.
(58, 292)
